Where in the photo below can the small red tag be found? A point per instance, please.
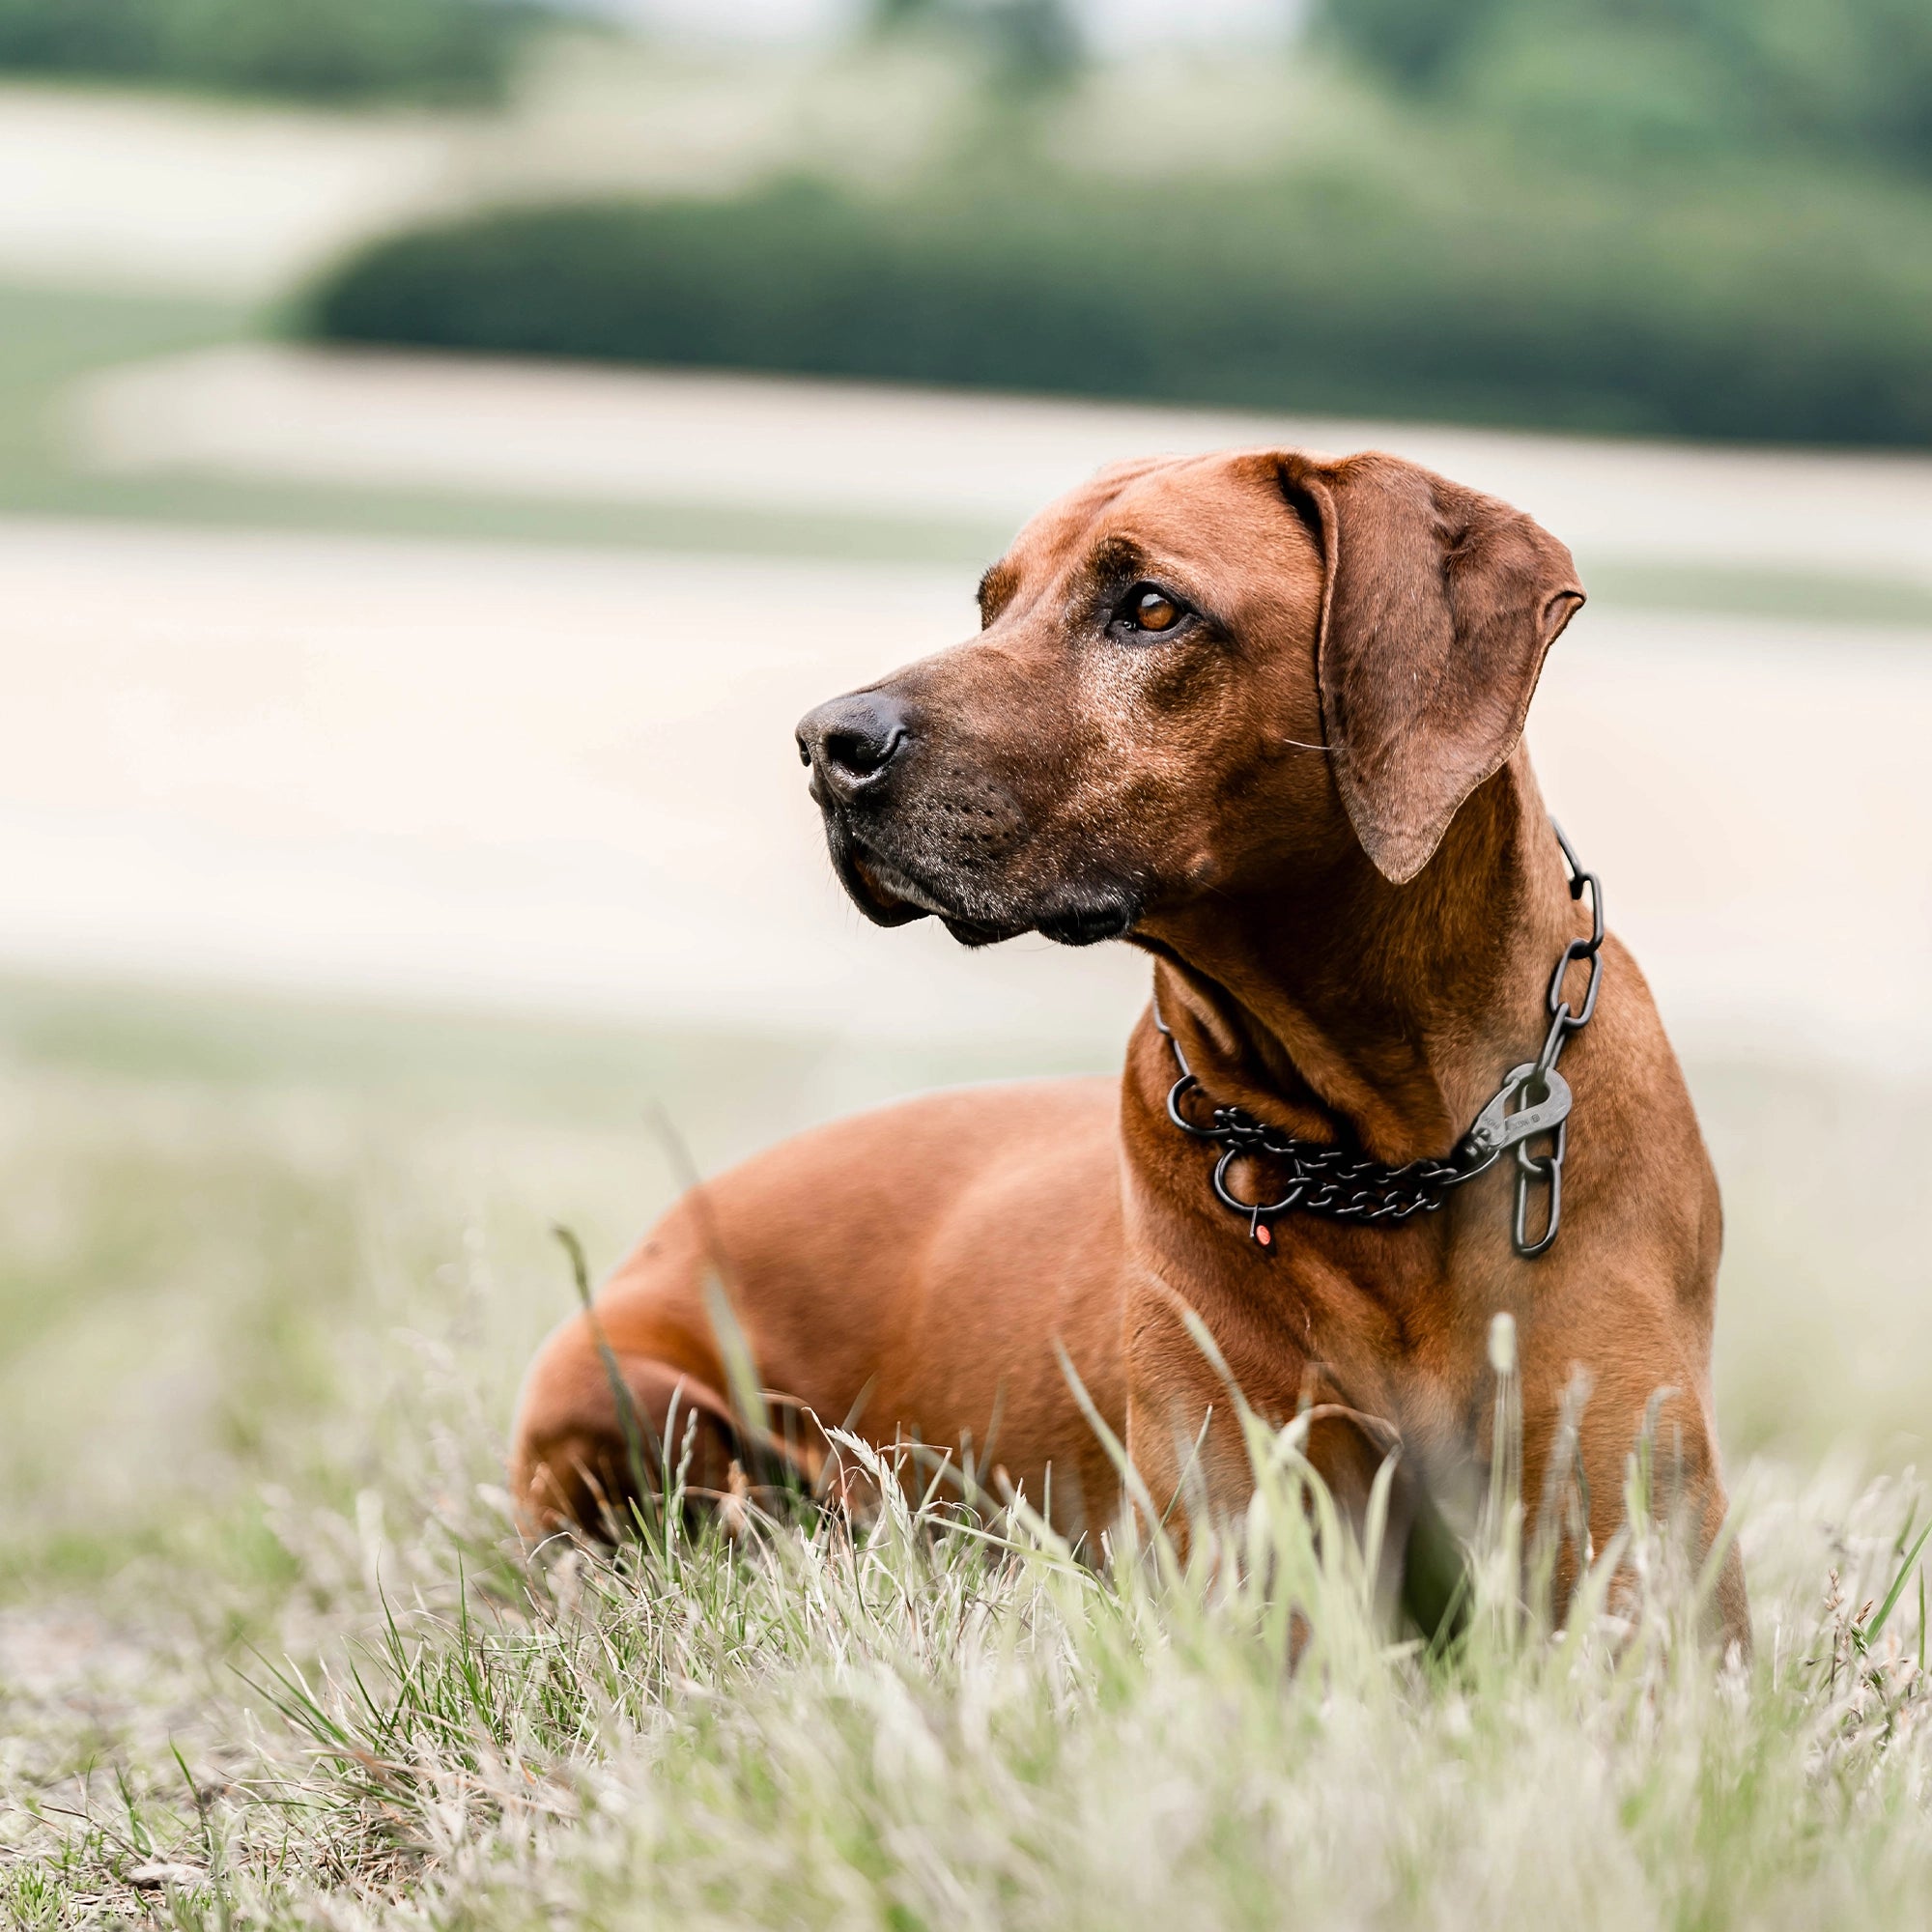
(1264, 1234)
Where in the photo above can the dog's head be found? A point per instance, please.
(1190, 673)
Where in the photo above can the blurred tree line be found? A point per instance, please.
(454, 50)
(1706, 218)
(1028, 44)
(1664, 76)
(1332, 286)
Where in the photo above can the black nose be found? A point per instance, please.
(850, 742)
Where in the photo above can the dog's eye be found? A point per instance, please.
(1149, 608)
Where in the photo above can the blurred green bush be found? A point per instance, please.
(1850, 76)
(454, 50)
(1785, 308)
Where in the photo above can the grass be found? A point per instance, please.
(271, 1654)
(915, 1727)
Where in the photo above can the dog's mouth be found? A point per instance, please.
(879, 889)
(889, 893)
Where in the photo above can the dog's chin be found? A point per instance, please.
(888, 895)
(1082, 919)
(893, 898)
(1091, 916)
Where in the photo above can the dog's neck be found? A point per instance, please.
(1338, 1005)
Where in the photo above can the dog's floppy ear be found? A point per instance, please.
(1437, 606)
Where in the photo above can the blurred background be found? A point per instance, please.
(445, 444)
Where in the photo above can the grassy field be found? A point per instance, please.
(272, 1656)
(270, 1653)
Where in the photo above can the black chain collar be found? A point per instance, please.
(1344, 1186)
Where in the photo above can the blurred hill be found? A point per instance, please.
(1691, 217)
(1666, 218)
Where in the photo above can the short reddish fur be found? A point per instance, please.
(1353, 940)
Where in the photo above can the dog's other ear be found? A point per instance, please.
(1437, 606)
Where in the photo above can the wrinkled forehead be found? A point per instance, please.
(1211, 522)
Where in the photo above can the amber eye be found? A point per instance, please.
(1153, 609)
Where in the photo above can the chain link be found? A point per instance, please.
(1532, 1104)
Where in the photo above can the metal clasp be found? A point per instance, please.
(1496, 1127)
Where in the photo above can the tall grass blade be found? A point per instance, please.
(1882, 1614)
(629, 1421)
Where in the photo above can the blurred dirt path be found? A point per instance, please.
(469, 425)
(566, 781)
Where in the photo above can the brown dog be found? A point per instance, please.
(1259, 714)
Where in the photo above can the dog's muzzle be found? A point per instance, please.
(912, 832)
(851, 746)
